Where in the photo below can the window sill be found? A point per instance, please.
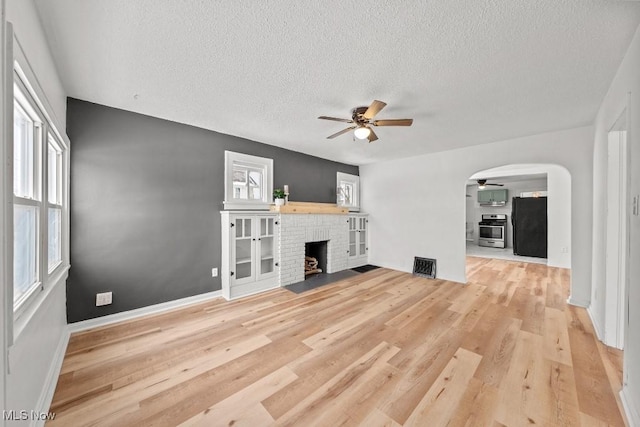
(23, 319)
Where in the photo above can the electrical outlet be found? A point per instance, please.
(104, 298)
(564, 250)
(214, 272)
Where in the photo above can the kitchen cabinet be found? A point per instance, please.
(358, 246)
(249, 253)
(493, 197)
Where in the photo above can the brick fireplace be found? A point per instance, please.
(298, 229)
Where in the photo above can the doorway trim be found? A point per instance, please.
(617, 242)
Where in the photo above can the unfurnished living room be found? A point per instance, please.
(299, 213)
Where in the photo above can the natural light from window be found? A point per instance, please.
(38, 198)
(248, 181)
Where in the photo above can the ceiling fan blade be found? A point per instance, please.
(373, 109)
(393, 122)
(341, 132)
(335, 119)
(372, 136)
(496, 185)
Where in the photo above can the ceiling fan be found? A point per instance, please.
(482, 183)
(362, 119)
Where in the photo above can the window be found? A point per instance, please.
(248, 181)
(38, 198)
(348, 191)
(54, 205)
(27, 127)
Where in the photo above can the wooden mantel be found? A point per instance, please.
(310, 208)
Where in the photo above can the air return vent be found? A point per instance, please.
(425, 267)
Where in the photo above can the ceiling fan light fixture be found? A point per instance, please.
(362, 120)
(362, 132)
(481, 187)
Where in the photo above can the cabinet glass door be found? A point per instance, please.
(352, 237)
(243, 249)
(266, 243)
(362, 243)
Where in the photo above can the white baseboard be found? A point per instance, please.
(46, 396)
(578, 302)
(632, 411)
(143, 311)
(596, 325)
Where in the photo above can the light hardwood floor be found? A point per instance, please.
(384, 348)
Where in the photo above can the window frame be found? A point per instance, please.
(58, 203)
(23, 101)
(342, 180)
(25, 97)
(231, 159)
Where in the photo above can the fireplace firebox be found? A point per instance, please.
(315, 258)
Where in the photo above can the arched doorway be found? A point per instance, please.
(522, 181)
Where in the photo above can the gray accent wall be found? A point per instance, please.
(146, 196)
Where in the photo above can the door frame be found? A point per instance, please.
(617, 224)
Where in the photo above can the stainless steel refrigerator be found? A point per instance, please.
(529, 220)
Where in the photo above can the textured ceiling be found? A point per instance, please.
(467, 72)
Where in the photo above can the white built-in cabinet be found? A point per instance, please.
(249, 253)
(358, 248)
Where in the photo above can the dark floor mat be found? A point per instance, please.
(365, 268)
(318, 280)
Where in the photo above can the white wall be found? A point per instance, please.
(624, 88)
(36, 356)
(559, 209)
(40, 338)
(417, 205)
(26, 26)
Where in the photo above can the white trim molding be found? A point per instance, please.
(141, 312)
(348, 191)
(21, 322)
(577, 302)
(249, 164)
(631, 409)
(596, 326)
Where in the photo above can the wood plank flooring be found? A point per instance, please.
(384, 348)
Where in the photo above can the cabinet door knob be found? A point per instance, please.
(232, 273)
(277, 264)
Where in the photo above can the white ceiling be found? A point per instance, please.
(467, 72)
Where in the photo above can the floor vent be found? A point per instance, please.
(425, 267)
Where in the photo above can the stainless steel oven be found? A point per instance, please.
(493, 230)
